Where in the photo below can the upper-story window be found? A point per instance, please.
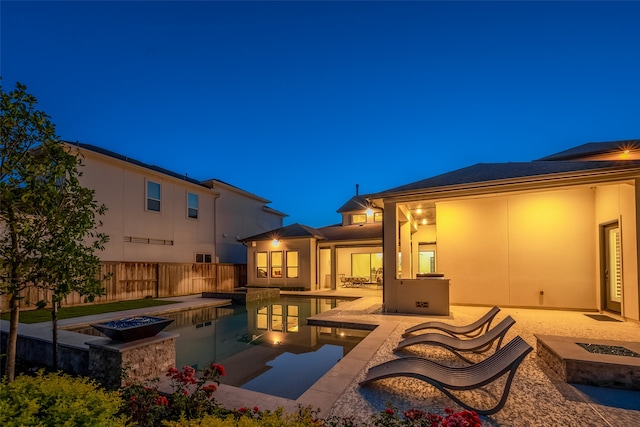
(358, 218)
(153, 196)
(377, 217)
(203, 258)
(192, 205)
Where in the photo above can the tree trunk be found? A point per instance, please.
(12, 341)
(54, 318)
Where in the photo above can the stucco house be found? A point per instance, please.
(298, 256)
(559, 232)
(156, 215)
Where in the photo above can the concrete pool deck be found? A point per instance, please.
(539, 397)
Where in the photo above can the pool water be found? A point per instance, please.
(265, 347)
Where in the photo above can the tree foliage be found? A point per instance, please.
(48, 235)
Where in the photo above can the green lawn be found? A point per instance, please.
(44, 314)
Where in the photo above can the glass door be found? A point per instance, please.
(611, 266)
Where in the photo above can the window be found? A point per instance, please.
(203, 258)
(358, 218)
(192, 205)
(292, 263)
(153, 196)
(366, 265)
(276, 264)
(377, 217)
(261, 265)
(427, 258)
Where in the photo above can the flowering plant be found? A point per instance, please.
(191, 397)
(391, 417)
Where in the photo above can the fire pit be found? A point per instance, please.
(132, 328)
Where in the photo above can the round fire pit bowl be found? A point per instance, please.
(132, 328)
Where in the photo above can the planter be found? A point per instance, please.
(132, 328)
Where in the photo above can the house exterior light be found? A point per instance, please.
(275, 243)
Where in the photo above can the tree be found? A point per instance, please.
(48, 236)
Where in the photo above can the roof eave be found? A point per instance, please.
(533, 182)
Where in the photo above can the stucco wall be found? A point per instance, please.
(617, 202)
(507, 249)
(240, 216)
(122, 188)
(306, 260)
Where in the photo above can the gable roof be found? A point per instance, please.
(290, 231)
(356, 203)
(593, 148)
(332, 232)
(486, 172)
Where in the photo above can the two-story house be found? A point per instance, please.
(156, 215)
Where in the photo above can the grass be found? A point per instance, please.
(44, 314)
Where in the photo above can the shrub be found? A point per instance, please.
(57, 400)
(191, 397)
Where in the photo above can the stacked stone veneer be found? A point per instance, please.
(578, 366)
(139, 360)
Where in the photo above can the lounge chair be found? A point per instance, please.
(456, 345)
(447, 378)
(471, 330)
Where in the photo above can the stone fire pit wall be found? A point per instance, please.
(141, 360)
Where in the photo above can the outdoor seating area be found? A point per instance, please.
(354, 281)
(474, 375)
(537, 395)
(446, 378)
(478, 344)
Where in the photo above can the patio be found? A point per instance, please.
(538, 397)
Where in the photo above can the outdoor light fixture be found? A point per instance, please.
(424, 221)
(275, 243)
(369, 212)
(419, 211)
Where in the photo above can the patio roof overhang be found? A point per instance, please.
(512, 185)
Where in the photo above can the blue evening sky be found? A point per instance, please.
(299, 101)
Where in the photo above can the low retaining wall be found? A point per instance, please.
(140, 360)
(245, 295)
(100, 358)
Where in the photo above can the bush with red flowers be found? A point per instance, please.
(191, 396)
(391, 417)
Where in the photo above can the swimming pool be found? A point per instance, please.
(266, 347)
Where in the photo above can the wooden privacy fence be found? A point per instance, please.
(137, 280)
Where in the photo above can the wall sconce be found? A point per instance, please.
(369, 212)
(275, 243)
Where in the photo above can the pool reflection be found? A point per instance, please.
(265, 347)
